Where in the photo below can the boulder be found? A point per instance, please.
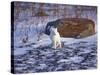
(76, 27)
(72, 27)
(51, 24)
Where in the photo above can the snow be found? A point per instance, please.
(45, 41)
(20, 51)
(76, 59)
(40, 57)
(90, 39)
(63, 60)
(42, 66)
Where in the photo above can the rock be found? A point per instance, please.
(76, 27)
(49, 25)
(72, 27)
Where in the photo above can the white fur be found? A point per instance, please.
(55, 38)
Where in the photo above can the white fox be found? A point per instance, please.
(55, 38)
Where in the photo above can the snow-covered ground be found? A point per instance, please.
(21, 48)
(38, 56)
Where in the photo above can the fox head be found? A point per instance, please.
(53, 30)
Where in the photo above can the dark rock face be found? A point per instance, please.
(73, 27)
(51, 24)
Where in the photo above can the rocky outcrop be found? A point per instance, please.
(76, 27)
(72, 27)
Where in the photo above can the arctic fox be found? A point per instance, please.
(55, 38)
